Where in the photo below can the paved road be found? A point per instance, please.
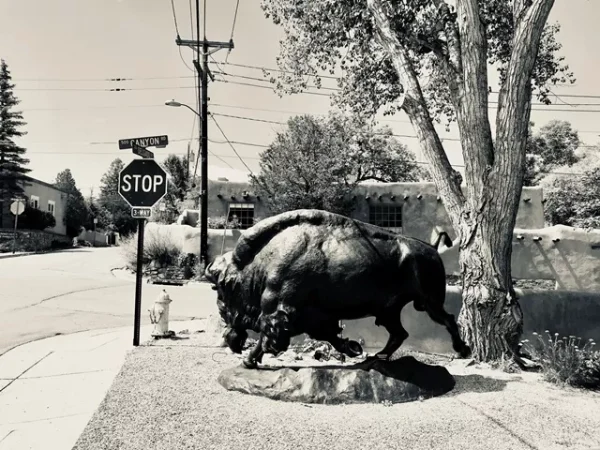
(71, 291)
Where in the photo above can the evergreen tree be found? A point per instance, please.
(109, 200)
(12, 170)
(76, 213)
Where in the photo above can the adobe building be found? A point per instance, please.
(43, 196)
(413, 209)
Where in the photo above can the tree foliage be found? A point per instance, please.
(76, 214)
(317, 162)
(178, 186)
(573, 195)
(118, 212)
(552, 146)
(12, 161)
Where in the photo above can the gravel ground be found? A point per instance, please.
(167, 397)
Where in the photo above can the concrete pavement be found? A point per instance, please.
(58, 293)
(50, 388)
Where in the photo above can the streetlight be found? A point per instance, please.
(203, 183)
(177, 105)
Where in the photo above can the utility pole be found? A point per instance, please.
(206, 48)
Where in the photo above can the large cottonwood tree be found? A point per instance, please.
(430, 58)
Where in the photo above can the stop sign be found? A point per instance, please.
(142, 183)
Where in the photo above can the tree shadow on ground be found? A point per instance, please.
(477, 383)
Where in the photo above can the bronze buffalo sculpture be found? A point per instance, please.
(303, 271)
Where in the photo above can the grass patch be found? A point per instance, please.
(566, 360)
(159, 247)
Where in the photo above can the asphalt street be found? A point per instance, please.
(66, 292)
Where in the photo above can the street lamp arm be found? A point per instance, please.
(178, 104)
(192, 110)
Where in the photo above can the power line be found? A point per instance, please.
(237, 5)
(175, 17)
(270, 88)
(229, 142)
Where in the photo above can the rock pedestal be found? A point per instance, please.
(399, 381)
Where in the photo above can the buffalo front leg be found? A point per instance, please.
(255, 355)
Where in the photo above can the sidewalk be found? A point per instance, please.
(49, 389)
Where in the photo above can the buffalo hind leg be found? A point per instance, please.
(393, 325)
(439, 315)
(329, 330)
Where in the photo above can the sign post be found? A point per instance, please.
(17, 208)
(142, 183)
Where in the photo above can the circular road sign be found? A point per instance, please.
(142, 183)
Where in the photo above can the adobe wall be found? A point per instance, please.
(423, 211)
(571, 256)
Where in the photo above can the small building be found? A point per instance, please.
(413, 209)
(43, 196)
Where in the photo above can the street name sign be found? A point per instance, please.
(142, 151)
(142, 183)
(141, 212)
(150, 141)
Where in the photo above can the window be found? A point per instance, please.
(34, 201)
(387, 216)
(51, 206)
(243, 212)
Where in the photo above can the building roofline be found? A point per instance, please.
(43, 183)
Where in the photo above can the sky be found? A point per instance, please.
(61, 54)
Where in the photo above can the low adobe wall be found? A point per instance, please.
(563, 312)
(570, 256)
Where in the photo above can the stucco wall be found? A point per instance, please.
(46, 193)
(563, 312)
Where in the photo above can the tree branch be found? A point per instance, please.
(473, 118)
(416, 109)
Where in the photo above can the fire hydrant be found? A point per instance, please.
(159, 316)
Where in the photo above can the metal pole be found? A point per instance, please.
(204, 168)
(138, 284)
(15, 232)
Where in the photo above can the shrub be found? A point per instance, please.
(187, 262)
(159, 248)
(35, 219)
(565, 361)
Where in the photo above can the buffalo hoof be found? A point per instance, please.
(353, 349)
(250, 363)
(465, 352)
(376, 357)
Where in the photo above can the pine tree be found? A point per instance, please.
(77, 212)
(117, 209)
(12, 170)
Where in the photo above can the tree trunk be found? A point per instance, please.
(490, 319)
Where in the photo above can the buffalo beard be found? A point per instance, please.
(235, 339)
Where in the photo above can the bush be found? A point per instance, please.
(159, 248)
(565, 361)
(35, 219)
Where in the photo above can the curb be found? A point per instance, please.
(124, 274)
(10, 255)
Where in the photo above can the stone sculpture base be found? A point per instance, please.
(399, 381)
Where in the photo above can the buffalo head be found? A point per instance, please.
(224, 277)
